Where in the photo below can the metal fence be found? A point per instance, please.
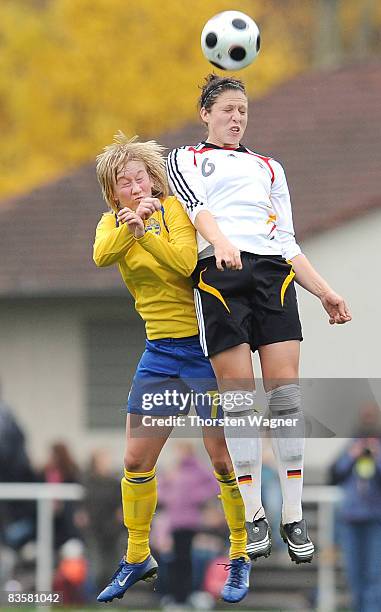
(325, 498)
(44, 494)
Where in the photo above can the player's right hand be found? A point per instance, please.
(227, 255)
(133, 221)
(122, 214)
(147, 206)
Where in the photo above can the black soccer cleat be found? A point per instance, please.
(258, 538)
(300, 547)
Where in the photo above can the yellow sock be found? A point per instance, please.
(234, 511)
(139, 498)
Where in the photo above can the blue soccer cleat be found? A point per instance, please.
(126, 575)
(237, 584)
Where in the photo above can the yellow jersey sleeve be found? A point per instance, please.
(179, 252)
(111, 243)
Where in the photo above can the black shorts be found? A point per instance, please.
(256, 305)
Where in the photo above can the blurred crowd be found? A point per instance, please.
(358, 523)
(189, 536)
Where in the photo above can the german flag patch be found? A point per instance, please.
(294, 473)
(247, 479)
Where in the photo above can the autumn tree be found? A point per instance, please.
(73, 72)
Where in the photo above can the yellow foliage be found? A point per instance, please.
(355, 14)
(73, 72)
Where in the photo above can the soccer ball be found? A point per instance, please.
(230, 40)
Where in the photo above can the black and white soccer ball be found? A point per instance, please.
(230, 40)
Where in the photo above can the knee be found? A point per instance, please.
(222, 466)
(219, 456)
(135, 463)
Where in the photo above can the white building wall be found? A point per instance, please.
(42, 369)
(349, 259)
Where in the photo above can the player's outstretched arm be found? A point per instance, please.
(333, 303)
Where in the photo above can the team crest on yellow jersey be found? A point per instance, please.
(152, 225)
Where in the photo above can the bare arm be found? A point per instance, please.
(309, 279)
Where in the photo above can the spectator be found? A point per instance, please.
(102, 516)
(162, 547)
(71, 574)
(61, 468)
(17, 518)
(183, 493)
(358, 471)
(211, 542)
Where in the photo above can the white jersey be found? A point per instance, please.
(246, 193)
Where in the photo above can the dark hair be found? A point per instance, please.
(63, 461)
(214, 86)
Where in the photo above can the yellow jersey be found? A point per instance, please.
(155, 268)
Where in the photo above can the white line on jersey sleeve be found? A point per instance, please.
(185, 183)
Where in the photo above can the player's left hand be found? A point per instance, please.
(336, 308)
(147, 206)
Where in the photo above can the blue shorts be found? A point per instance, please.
(172, 375)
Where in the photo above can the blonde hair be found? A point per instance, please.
(123, 150)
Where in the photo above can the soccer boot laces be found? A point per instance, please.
(237, 582)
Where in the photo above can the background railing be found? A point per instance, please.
(44, 494)
(325, 498)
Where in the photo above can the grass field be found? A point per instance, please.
(118, 607)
